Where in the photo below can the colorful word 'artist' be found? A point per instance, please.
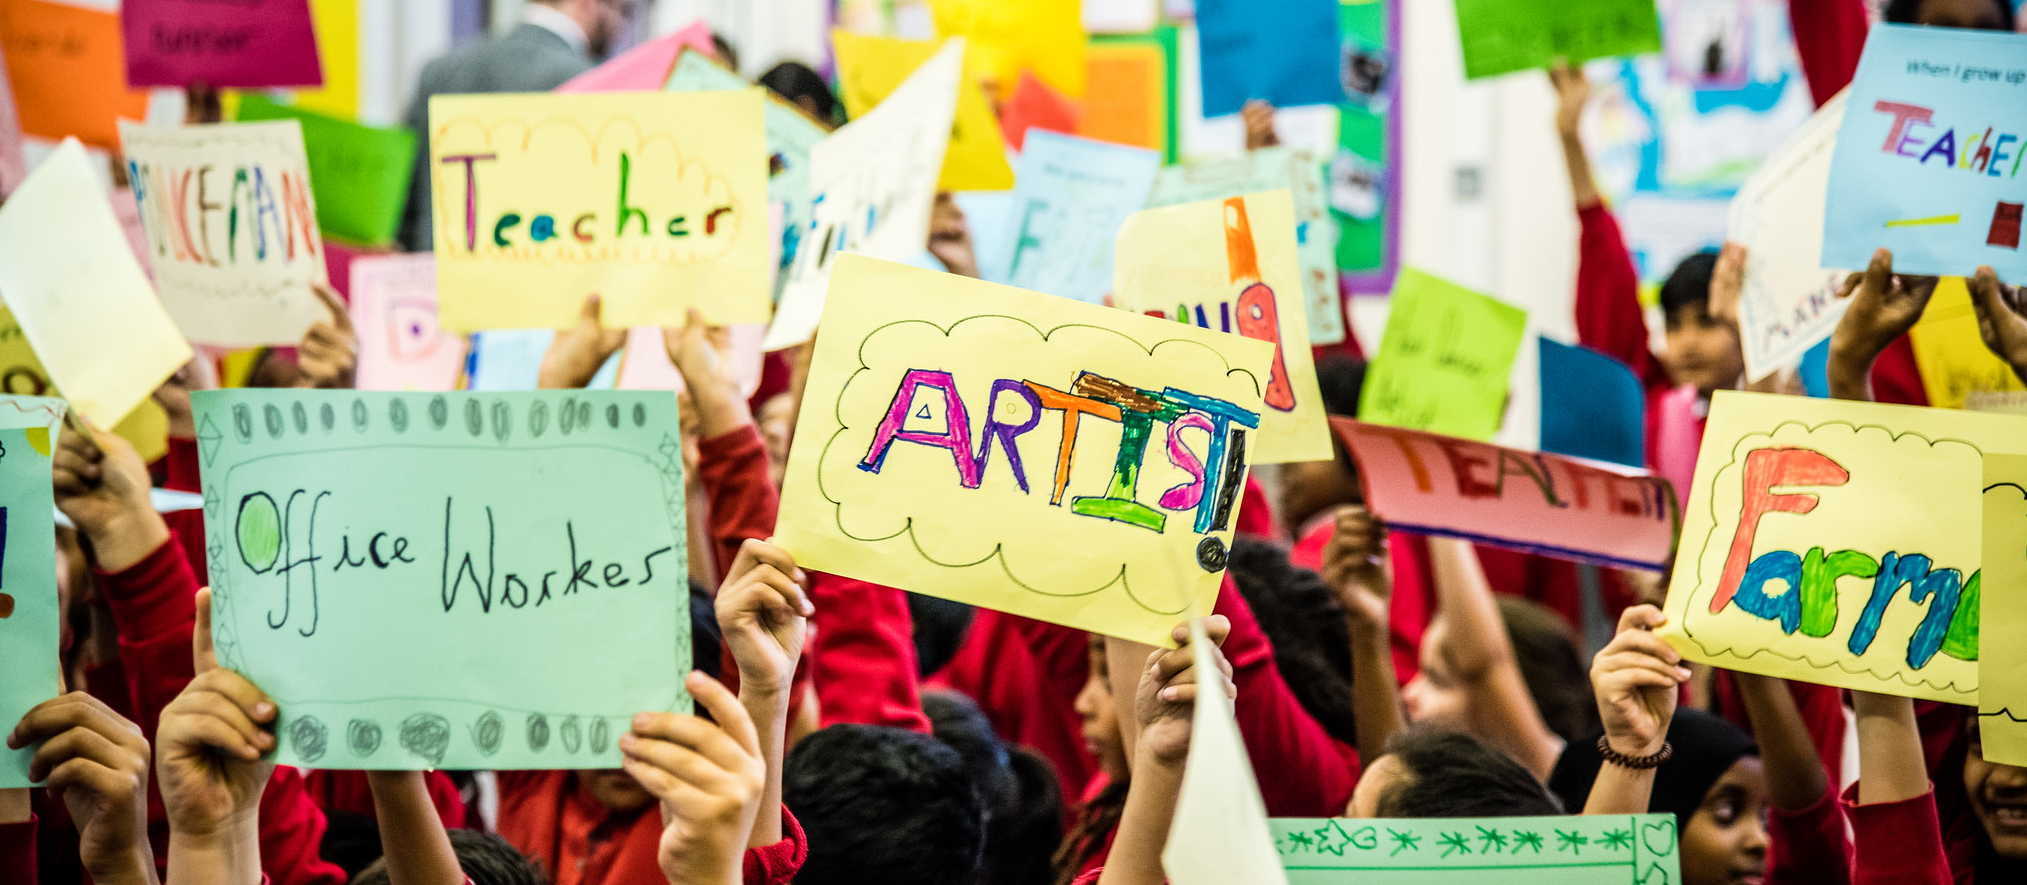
(1019, 451)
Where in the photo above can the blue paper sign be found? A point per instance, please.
(1592, 406)
(29, 617)
(1070, 197)
(1285, 52)
(1930, 156)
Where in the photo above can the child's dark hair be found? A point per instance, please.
(1095, 822)
(940, 628)
(706, 641)
(1305, 623)
(1023, 804)
(1447, 774)
(1705, 746)
(1552, 666)
(1339, 380)
(794, 80)
(884, 805)
(1688, 288)
(1908, 12)
(486, 858)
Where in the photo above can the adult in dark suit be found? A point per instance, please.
(555, 41)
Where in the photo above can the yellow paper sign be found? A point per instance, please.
(1953, 360)
(1838, 542)
(21, 374)
(1043, 36)
(871, 68)
(1020, 451)
(657, 202)
(2002, 615)
(1230, 265)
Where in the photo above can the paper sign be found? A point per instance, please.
(1284, 52)
(1072, 198)
(1928, 160)
(22, 377)
(1229, 265)
(2002, 617)
(232, 228)
(245, 44)
(643, 67)
(1533, 502)
(13, 161)
(1269, 169)
(1837, 542)
(1035, 106)
(657, 202)
(65, 66)
(873, 185)
(1592, 406)
(1617, 849)
(29, 616)
(359, 174)
(893, 480)
(448, 580)
(1132, 104)
(871, 68)
(394, 314)
(84, 304)
(1043, 36)
(1503, 36)
(1220, 833)
(1953, 360)
(1788, 302)
(337, 23)
(1444, 360)
(644, 362)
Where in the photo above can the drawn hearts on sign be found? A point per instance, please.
(1659, 839)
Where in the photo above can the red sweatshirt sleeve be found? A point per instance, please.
(1829, 36)
(180, 466)
(777, 864)
(1809, 847)
(154, 608)
(743, 502)
(1609, 316)
(291, 832)
(863, 659)
(1896, 842)
(1303, 772)
(17, 853)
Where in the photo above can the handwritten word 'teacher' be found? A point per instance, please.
(584, 229)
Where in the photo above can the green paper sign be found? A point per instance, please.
(1639, 849)
(1444, 359)
(1503, 36)
(358, 174)
(29, 618)
(448, 580)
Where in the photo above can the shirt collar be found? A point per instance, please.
(555, 21)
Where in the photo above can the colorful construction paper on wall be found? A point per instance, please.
(431, 580)
(13, 160)
(65, 66)
(22, 375)
(359, 174)
(1229, 265)
(1788, 302)
(1035, 106)
(644, 67)
(1220, 832)
(2002, 617)
(1928, 160)
(1363, 174)
(248, 281)
(1130, 104)
(81, 299)
(1268, 169)
(1444, 359)
(655, 201)
(871, 68)
(1043, 36)
(337, 23)
(873, 185)
(1503, 36)
(1592, 406)
(245, 44)
(1953, 360)
(1283, 52)
(394, 314)
(1838, 542)
(1072, 198)
(1534, 502)
(30, 619)
(1601, 849)
(1018, 451)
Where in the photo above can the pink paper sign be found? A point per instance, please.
(394, 314)
(644, 67)
(1586, 511)
(244, 44)
(645, 365)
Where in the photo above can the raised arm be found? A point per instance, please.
(1355, 567)
(732, 456)
(1637, 679)
(96, 764)
(412, 837)
(1165, 686)
(1884, 306)
(764, 615)
(211, 755)
(1480, 655)
(1806, 835)
(1829, 36)
(1609, 316)
(575, 354)
(1894, 825)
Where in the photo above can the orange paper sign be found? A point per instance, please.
(68, 68)
(1129, 104)
(1582, 510)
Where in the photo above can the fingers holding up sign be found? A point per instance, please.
(709, 776)
(210, 755)
(329, 354)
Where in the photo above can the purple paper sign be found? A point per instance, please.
(244, 44)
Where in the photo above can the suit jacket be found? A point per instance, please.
(528, 58)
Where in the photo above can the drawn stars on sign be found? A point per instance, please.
(1454, 843)
(1571, 841)
(1616, 840)
(1333, 839)
(1299, 841)
(1404, 842)
(1526, 839)
(1491, 841)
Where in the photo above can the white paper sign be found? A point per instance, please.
(1788, 302)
